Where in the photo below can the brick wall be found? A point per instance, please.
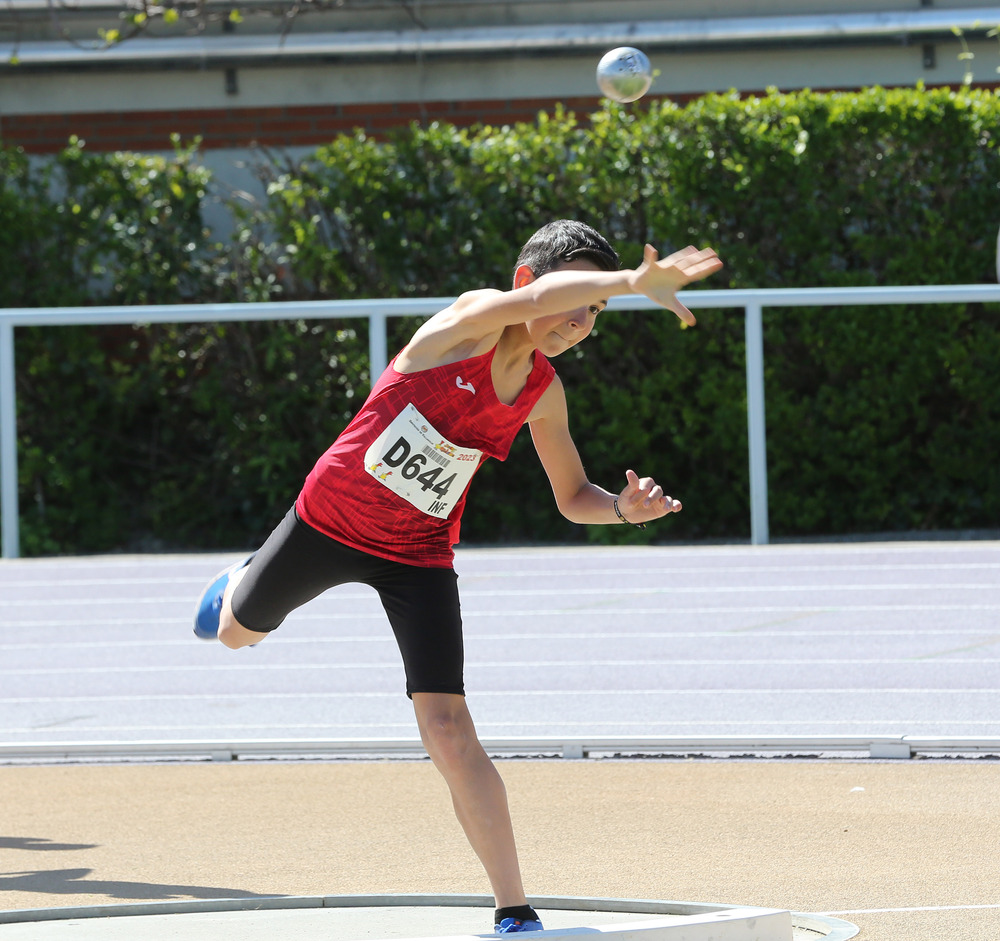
(305, 126)
(239, 127)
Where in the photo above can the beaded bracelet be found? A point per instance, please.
(618, 513)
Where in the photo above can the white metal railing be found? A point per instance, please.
(377, 311)
(875, 746)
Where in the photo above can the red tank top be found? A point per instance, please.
(343, 500)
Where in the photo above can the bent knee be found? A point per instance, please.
(233, 634)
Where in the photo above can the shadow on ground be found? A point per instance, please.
(76, 882)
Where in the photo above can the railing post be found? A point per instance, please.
(756, 427)
(378, 346)
(10, 539)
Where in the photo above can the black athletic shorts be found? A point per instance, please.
(297, 563)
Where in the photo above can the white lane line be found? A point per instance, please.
(746, 609)
(522, 693)
(575, 612)
(574, 590)
(305, 615)
(195, 581)
(234, 727)
(610, 725)
(735, 634)
(724, 589)
(794, 549)
(127, 601)
(198, 582)
(729, 570)
(490, 555)
(272, 666)
(183, 697)
(272, 642)
(409, 726)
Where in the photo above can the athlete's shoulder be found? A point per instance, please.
(478, 294)
(454, 334)
(473, 301)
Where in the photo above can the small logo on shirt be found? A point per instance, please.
(468, 386)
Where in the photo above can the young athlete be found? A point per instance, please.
(382, 505)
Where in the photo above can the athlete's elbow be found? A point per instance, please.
(574, 509)
(568, 514)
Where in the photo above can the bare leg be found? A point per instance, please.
(477, 790)
(231, 632)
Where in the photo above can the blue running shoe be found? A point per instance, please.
(206, 614)
(509, 925)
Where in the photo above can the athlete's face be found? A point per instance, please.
(556, 333)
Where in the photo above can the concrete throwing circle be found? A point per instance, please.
(383, 917)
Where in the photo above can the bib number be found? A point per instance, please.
(416, 463)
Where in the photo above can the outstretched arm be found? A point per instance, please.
(474, 322)
(657, 278)
(642, 499)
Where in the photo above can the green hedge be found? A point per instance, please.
(199, 435)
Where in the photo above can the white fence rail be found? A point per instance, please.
(875, 746)
(377, 311)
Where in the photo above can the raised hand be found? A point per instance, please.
(661, 278)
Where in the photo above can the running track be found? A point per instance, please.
(790, 640)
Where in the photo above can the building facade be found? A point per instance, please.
(238, 72)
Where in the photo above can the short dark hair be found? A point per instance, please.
(566, 240)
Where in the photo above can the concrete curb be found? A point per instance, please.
(700, 920)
